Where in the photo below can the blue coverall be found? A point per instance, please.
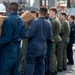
(71, 42)
(38, 31)
(13, 32)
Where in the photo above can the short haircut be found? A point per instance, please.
(53, 9)
(43, 11)
(63, 13)
(14, 6)
(72, 16)
(33, 11)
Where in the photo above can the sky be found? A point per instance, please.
(31, 1)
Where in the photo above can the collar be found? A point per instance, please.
(14, 13)
(54, 18)
(63, 20)
(50, 18)
(72, 22)
(42, 17)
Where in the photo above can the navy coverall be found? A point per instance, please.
(13, 32)
(38, 31)
(72, 40)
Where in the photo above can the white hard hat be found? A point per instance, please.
(2, 8)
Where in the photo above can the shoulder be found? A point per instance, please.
(21, 20)
(39, 21)
(7, 23)
(7, 20)
(73, 23)
(32, 23)
(47, 23)
(65, 22)
(56, 21)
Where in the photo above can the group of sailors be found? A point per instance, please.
(47, 42)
